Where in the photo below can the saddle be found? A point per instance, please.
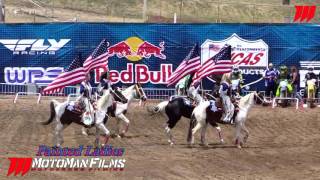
(187, 101)
(76, 107)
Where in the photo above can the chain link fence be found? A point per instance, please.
(191, 11)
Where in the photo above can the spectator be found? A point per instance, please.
(310, 75)
(270, 76)
(295, 81)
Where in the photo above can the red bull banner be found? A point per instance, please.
(149, 53)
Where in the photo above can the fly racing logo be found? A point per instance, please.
(34, 46)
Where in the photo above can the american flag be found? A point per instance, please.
(74, 74)
(218, 64)
(189, 65)
(99, 57)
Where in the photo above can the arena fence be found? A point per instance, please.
(70, 92)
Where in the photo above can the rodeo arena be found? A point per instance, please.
(151, 89)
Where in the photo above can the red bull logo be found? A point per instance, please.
(138, 73)
(134, 49)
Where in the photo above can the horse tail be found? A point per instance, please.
(52, 114)
(158, 108)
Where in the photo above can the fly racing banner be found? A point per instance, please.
(149, 53)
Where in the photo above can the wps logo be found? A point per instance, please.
(19, 165)
(304, 13)
(34, 46)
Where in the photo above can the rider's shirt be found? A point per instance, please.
(236, 75)
(224, 89)
(105, 83)
(183, 83)
(271, 76)
(86, 89)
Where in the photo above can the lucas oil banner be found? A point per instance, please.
(149, 53)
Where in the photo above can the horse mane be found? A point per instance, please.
(104, 99)
(245, 100)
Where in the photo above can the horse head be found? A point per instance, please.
(139, 93)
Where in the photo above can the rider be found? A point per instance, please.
(86, 94)
(224, 92)
(183, 84)
(270, 75)
(105, 83)
(237, 75)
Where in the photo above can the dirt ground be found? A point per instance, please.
(283, 144)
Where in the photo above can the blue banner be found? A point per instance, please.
(148, 53)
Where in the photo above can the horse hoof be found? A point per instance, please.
(204, 144)
(85, 133)
(238, 146)
(119, 136)
(171, 144)
(221, 141)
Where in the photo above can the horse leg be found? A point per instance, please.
(84, 131)
(220, 134)
(244, 128)
(126, 120)
(168, 132)
(194, 131)
(97, 141)
(171, 123)
(106, 132)
(58, 139)
(238, 134)
(118, 127)
(203, 135)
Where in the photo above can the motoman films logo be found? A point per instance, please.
(34, 46)
(304, 13)
(106, 158)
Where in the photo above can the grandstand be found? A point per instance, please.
(196, 11)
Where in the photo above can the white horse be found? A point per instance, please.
(200, 115)
(133, 92)
(65, 117)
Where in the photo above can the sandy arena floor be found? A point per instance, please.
(283, 144)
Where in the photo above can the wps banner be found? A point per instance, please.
(148, 53)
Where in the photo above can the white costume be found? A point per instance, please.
(227, 105)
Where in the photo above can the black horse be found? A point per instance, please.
(174, 110)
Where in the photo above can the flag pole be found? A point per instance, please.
(201, 85)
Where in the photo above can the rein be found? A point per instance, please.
(140, 91)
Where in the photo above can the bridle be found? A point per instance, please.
(140, 92)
